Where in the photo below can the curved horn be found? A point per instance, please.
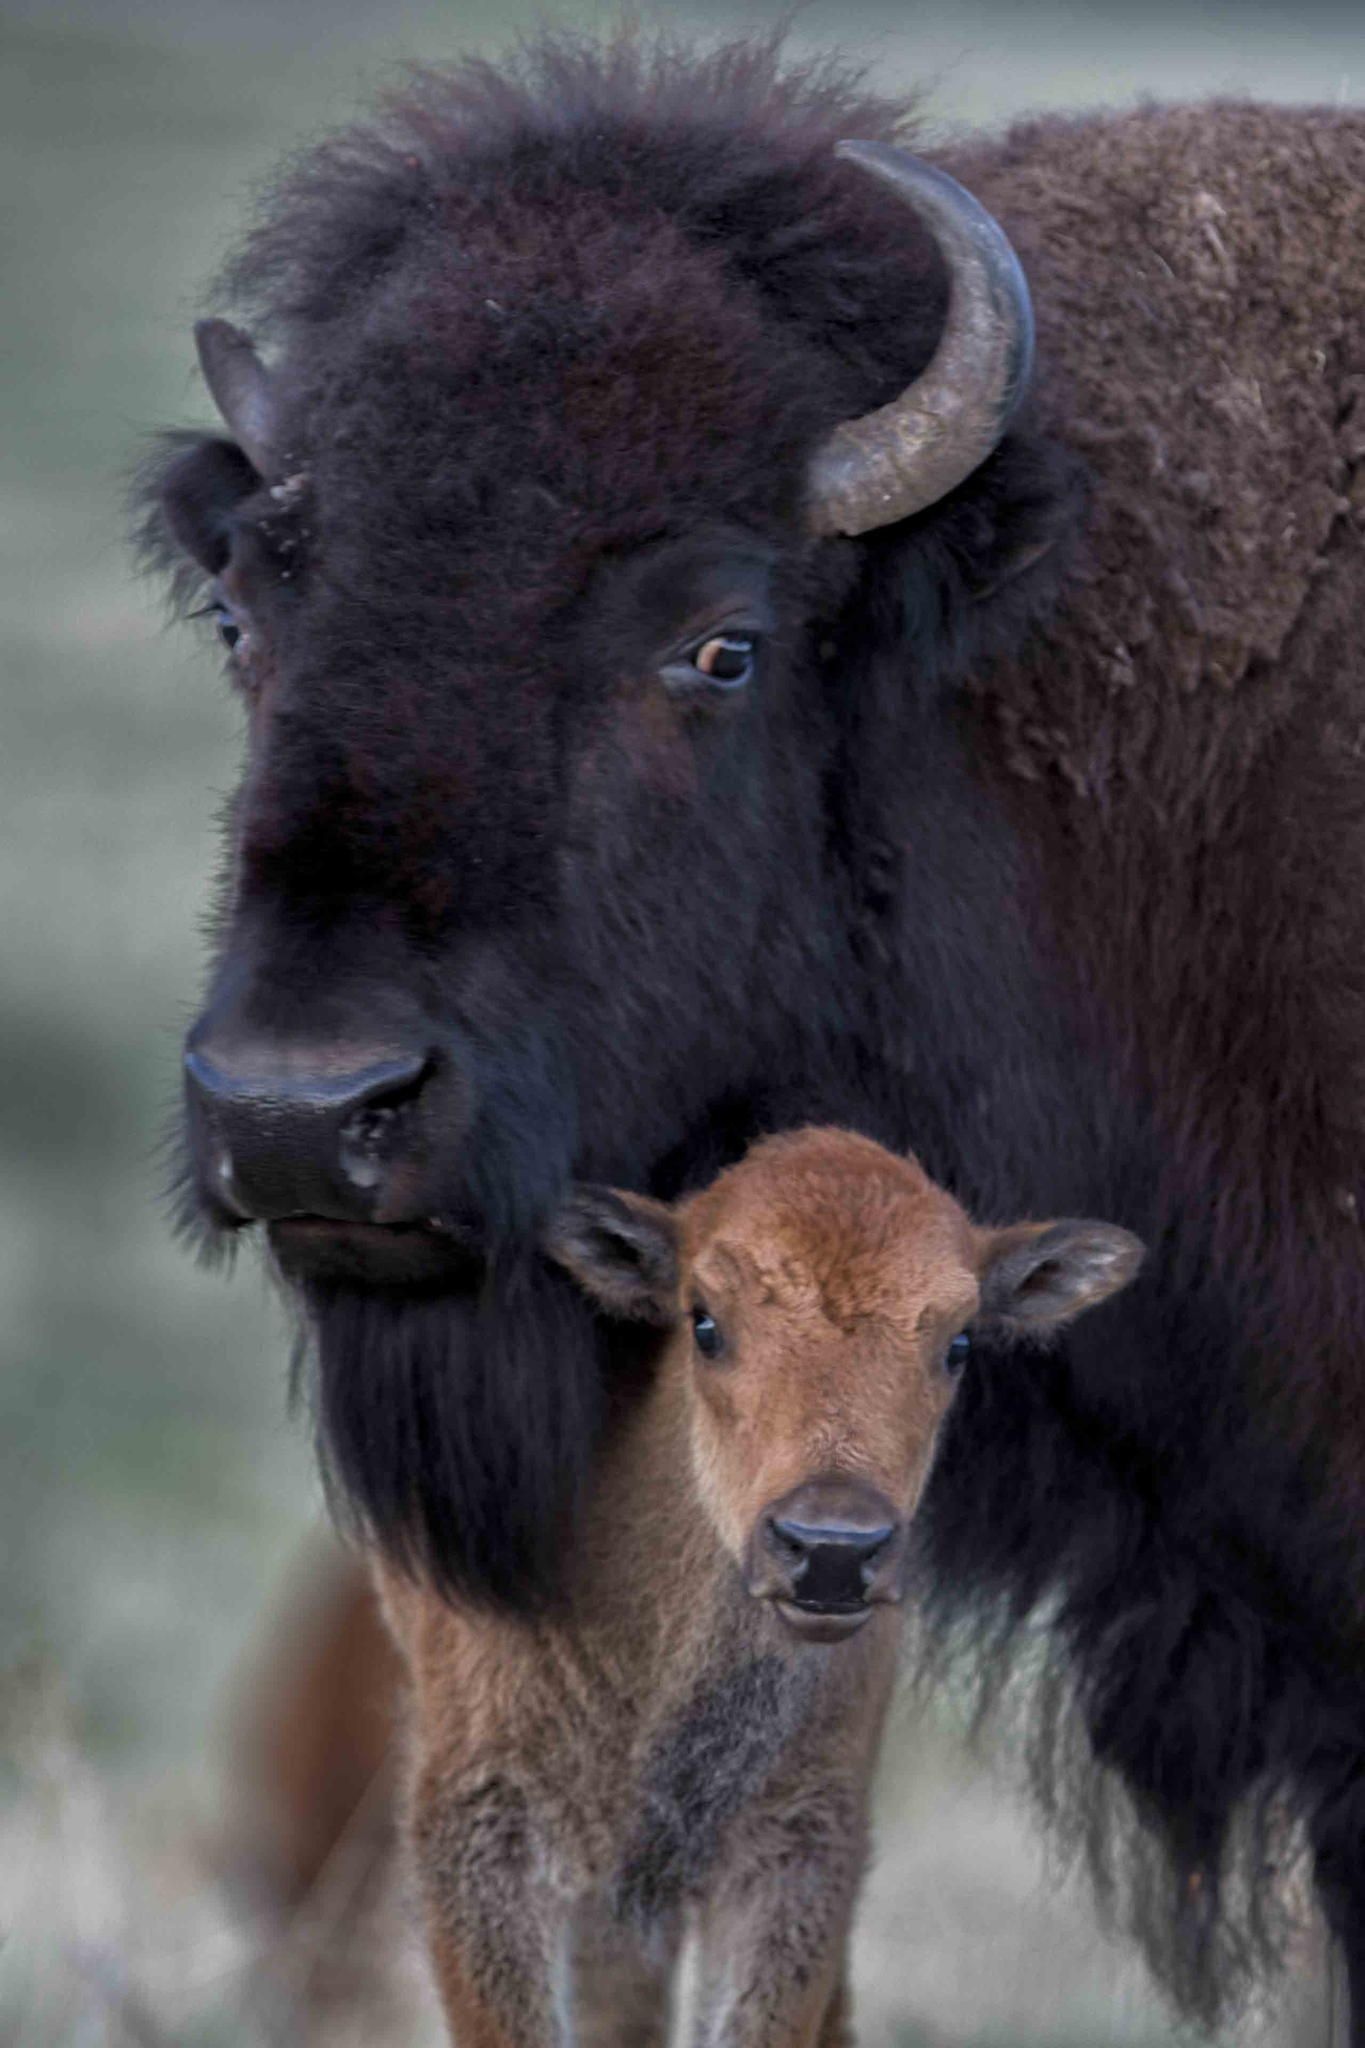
(875, 470)
(239, 385)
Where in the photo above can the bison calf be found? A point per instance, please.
(690, 1737)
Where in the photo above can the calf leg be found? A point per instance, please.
(496, 1935)
(621, 1984)
(772, 1981)
(484, 2006)
(774, 1936)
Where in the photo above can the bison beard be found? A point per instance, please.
(457, 1430)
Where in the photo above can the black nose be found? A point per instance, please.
(300, 1129)
(834, 1545)
(831, 1565)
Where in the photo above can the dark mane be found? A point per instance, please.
(733, 145)
(456, 1431)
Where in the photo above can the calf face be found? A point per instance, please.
(820, 1298)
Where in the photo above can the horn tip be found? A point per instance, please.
(856, 151)
(214, 336)
(908, 455)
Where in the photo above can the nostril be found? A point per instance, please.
(398, 1084)
(296, 1127)
(790, 1540)
(368, 1126)
(870, 1549)
(376, 1124)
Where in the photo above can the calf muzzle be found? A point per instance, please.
(826, 1555)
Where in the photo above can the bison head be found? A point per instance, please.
(526, 554)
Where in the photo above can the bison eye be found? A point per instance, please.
(956, 1356)
(726, 658)
(229, 628)
(229, 632)
(706, 1331)
(722, 662)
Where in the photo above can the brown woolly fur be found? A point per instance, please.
(689, 1740)
(1183, 752)
(1032, 837)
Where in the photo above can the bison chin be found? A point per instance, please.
(457, 1430)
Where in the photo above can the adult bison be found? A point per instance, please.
(642, 756)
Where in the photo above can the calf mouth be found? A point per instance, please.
(824, 1624)
(398, 1255)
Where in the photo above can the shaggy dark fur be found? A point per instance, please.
(468, 1450)
(1037, 842)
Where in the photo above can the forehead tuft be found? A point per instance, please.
(829, 1220)
(556, 376)
(523, 301)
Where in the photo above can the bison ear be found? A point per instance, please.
(199, 492)
(621, 1248)
(1037, 1276)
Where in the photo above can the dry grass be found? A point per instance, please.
(123, 1929)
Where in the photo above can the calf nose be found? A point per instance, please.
(832, 1566)
(308, 1130)
(833, 1545)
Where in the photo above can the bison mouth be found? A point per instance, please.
(830, 1622)
(398, 1255)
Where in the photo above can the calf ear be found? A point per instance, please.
(622, 1248)
(1037, 1276)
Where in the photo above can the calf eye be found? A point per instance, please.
(955, 1357)
(706, 1330)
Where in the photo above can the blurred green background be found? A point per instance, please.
(153, 1488)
